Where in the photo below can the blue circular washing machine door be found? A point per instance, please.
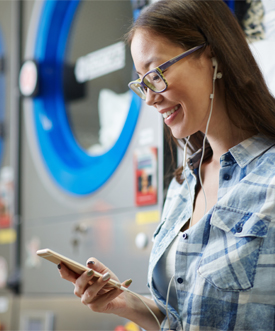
(75, 170)
(2, 95)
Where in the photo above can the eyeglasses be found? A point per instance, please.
(154, 79)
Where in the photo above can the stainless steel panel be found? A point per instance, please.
(111, 238)
(69, 313)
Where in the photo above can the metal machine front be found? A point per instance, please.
(91, 154)
(9, 110)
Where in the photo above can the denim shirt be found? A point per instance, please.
(225, 263)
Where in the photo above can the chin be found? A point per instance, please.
(177, 134)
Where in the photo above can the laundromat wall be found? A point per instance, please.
(84, 165)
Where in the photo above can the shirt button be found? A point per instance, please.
(185, 236)
(239, 228)
(226, 177)
(180, 280)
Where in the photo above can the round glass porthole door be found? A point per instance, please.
(84, 115)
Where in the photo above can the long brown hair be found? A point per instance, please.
(189, 23)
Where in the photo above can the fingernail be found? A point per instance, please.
(128, 282)
(90, 273)
(106, 276)
(59, 266)
(90, 262)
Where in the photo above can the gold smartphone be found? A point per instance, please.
(78, 268)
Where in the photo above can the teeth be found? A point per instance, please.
(165, 115)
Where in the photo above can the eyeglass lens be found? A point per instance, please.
(151, 80)
(154, 81)
(138, 89)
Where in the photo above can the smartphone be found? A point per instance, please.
(78, 268)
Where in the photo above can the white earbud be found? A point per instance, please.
(214, 62)
(217, 75)
(215, 66)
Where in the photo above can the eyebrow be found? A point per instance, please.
(148, 62)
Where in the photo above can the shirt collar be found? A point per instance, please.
(251, 148)
(194, 160)
(243, 153)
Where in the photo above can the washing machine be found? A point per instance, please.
(9, 112)
(91, 158)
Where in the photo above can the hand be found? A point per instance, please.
(101, 297)
(94, 292)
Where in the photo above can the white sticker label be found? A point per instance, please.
(100, 63)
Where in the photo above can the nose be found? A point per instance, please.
(152, 97)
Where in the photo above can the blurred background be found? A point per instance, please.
(84, 164)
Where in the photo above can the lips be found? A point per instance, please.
(170, 112)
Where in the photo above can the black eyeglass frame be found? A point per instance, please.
(141, 86)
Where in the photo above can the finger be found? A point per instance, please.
(97, 289)
(94, 264)
(67, 273)
(103, 303)
(99, 267)
(98, 297)
(127, 283)
(82, 282)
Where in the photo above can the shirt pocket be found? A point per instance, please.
(230, 257)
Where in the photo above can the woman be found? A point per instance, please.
(214, 250)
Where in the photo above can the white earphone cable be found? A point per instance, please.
(185, 177)
(167, 300)
(200, 179)
(204, 140)
(189, 190)
(150, 310)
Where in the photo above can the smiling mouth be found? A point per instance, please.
(170, 112)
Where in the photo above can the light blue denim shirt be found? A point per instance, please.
(225, 264)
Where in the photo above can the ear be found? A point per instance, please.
(215, 66)
(214, 62)
(208, 52)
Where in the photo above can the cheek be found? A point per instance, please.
(191, 88)
(194, 97)
(200, 94)
(198, 84)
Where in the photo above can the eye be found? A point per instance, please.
(152, 78)
(156, 78)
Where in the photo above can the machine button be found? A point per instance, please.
(141, 240)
